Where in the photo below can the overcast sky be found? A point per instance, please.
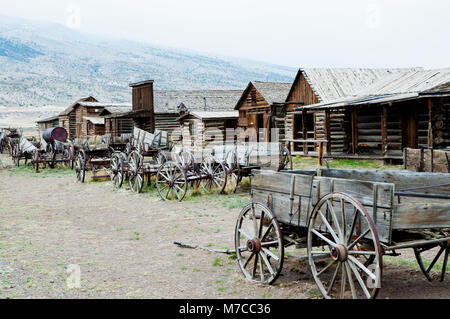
(315, 33)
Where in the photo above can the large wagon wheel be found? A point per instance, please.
(216, 175)
(444, 250)
(116, 170)
(259, 243)
(80, 166)
(135, 176)
(171, 181)
(338, 260)
(285, 159)
(232, 166)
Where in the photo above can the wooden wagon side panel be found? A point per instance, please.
(377, 198)
(274, 189)
(421, 216)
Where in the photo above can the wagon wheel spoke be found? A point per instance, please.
(333, 279)
(268, 252)
(269, 229)
(357, 240)
(324, 238)
(328, 226)
(335, 221)
(326, 268)
(245, 234)
(343, 282)
(352, 227)
(360, 280)
(261, 269)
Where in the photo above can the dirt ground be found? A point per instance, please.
(123, 245)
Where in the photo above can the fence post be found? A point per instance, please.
(321, 154)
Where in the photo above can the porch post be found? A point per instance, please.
(384, 144)
(354, 131)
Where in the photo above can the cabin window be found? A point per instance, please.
(192, 129)
(253, 98)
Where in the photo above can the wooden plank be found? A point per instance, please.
(401, 179)
(280, 182)
(421, 216)
(359, 189)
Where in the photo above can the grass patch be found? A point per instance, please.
(315, 294)
(300, 162)
(413, 263)
(218, 262)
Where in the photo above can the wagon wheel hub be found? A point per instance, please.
(254, 245)
(339, 253)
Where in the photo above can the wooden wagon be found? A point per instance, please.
(347, 220)
(143, 156)
(53, 148)
(22, 149)
(174, 171)
(184, 171)
(240, 160)
(4, 135)
(8, 139)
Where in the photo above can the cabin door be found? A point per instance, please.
(260, 127)
(409, 128)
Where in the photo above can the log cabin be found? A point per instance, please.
(171, 104)
(204, 129)
(403, 110)
(47, 123)
(305, 129)
(160, 109)
(68, 120)
(82, 119)
(259, 108)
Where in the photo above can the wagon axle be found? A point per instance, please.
(339, 253)
(254, 245)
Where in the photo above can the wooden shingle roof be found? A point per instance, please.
(167, 101)
(333, 83)
(397, 87)
(273, 92)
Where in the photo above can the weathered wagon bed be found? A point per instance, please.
(351, 217)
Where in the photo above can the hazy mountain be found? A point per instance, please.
(49, 64)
